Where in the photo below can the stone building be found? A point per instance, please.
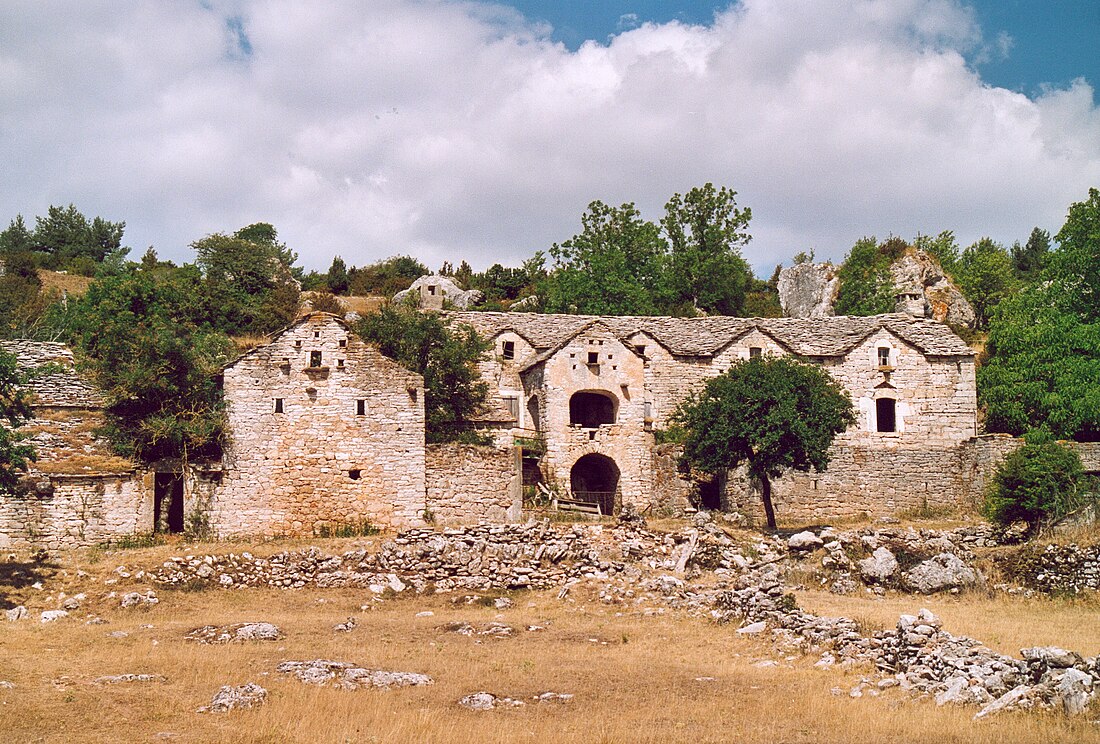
(324, 433)
(593, 392)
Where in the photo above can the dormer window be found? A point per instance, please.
(884, 356)
(508, 350)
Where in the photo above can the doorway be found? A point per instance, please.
(168, 502)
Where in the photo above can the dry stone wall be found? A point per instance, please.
(467, 483)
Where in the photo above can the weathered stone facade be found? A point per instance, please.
(324, 433)
(911, 381)
(467, 484)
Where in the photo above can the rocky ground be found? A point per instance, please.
(735, 579)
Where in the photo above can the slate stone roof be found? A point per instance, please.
(56, 383)
(702, 337)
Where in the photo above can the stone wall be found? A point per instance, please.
(324, 432)
(467, 483)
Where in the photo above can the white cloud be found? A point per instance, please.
(456, 129)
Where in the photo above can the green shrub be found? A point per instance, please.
(1035, 484)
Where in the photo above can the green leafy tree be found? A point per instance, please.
(445, 354)
(1028, 259)
(66, 239)
(387, 277)
(20, 292)
(612, 267)
(157, 370)
(337, 279)
(1035, 484)
(705, 272)
(866, 285)
(15, 454)
(985, 276)
(942, 247)
(770, 413)
(1075, 266)
(16, 238)
(247, 283)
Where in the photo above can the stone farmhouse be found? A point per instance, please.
(325, 434)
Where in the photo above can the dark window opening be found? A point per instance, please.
(886, 414)
(355, 474)
(298, 343)
(278, 405)
(343, 343)
(533, 411)
(595, 479)
(884, 356)
(412, 395)
(360, 408)
(508, 350)
(593, 357)
(640, 349)
(315, 359)
(168, 502)
(755, 352)
(339, 364)
(590, 410)
(431, 290)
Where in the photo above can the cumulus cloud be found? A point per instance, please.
(454, 130)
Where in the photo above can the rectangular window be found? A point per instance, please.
(339, 364)
(593, 357)
(508, 350)
(317, 334)
(361, 408)
(640, 349)
(343, 343)
(315, 359)
(884, 356)
(431, 290)
(755, 352)
(278, 405)
(513, 407)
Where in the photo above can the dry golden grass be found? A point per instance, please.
(636, 683)
(73, 284)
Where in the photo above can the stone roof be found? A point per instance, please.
(56, 382)
(826, 336)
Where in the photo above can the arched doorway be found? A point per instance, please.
(595, 478)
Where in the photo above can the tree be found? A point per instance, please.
(612, 267)
(943, 248)
(386, 277)
(985, 276)
(445, 354)
(706, 231)
(337, 278)
(247, 283)
(15, 456)
(17, 238)
(156, 369)
(20, 292)
(1075, 266)
(66, 239)
(1029, 259)
(771, 413)
(1036, 483)
(866, 285)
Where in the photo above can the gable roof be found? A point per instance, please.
(703, 337)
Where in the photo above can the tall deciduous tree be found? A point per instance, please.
(1075, 266)
(866, 285)
(15, 455)
(706, 231)
(445, 354)
(771, 413)
(611, 267)
(985, 276)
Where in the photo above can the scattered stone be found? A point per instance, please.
(73, 603)
(805, 541)
(117, 679)
(945, 571)
(137, 599)
(488, 701)
(347, 626)
(242, 697)
(49, 616)
(753, 628)
(16, 613)
(95, 620)
(553, 697)
(503, 603)
(118, 634)
(238, 632)
(880, 567)
(425, 613)
(348, 676)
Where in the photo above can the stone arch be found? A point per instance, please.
(592, 408)
(595, 478)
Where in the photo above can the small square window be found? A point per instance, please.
(508, 350)
(297, 343)
(361, 407)
(343, 343)
(755, 352)
(339, 364)
(355, 474)
(593, 357)
(278, 405)
(431, 290)
(640, 349)
(412, 395)
(317, 334)
(315, 359)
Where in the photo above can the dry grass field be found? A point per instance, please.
(634, 675)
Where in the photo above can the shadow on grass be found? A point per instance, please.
(15, 575)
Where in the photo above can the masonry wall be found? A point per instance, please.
(320, 463)
(467, 483)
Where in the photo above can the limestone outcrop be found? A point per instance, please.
(433, 290)
(808, 290)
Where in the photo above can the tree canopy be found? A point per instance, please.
(866, 284)
(15, 455)
(1034, 484)
(985, 275)
(770, 413)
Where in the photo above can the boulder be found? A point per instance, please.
(943, 572)
(807, 290)
(229, 698)
(49, 616)
(805, 541)
(16, 613)
(925, 291)
(235, 633)
(137, 599)
(880, 567)
(431, 292)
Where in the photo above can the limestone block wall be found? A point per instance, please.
(323, 431)
(618, 373)
(77, 511)
(467, 483)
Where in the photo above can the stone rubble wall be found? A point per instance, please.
(467, 483)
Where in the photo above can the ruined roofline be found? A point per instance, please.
(271, 337)
(831, 336)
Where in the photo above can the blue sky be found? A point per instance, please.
(1051, 41)
(458, 129)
